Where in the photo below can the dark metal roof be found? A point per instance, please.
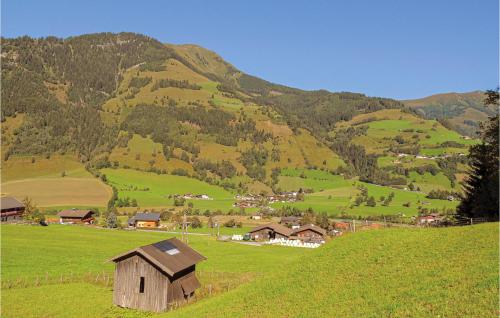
(141, 216)
(10, 203)
(171, 256)
(311, 227)
(290, 219)
(278, 228)
(75, 213)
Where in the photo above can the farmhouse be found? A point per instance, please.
(310, 233)
(76, 216)
(270, 231)
(153, 276)
(145, 220)
(12, 209)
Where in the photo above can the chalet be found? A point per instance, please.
(76, 216)
(270, 231)
(310, 233)
(154, 276)
(11, 209)
(145, 220)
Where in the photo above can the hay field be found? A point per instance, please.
(67, 191)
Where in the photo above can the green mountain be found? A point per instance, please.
(128, 101)
(459, 111)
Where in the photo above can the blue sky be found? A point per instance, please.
(400, 49)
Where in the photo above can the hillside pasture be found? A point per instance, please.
(335, 196)
(67, 191)
(26, 167)
(450, 272)
(153, 190)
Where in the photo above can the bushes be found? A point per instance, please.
(166, 82)
(180, 172)
(232, 223)
(195, 222)
(442, 194)
(223, 169)
(178, 201)
(138, 82)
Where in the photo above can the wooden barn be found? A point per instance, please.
(270, 231)
(11, 209)
(310, 233)
(154, 276)
(76, 216)
(145, 220)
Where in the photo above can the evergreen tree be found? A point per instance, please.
(371, 202)
(481, 188)
(111, 219)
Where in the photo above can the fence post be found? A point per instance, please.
(471, 221)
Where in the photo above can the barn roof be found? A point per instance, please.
(74, 213)
(278, 228)
(10, 203)
(311, 227)
(171, 256)
(142, 216)
(285, 219)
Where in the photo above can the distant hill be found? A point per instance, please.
(460, 111)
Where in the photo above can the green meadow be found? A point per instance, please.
(446, 272)
(153, 190)
(335, 195)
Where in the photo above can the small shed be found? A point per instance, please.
(310, 232)
(142, 219)
(270, 231)
(152, 277)
(11, 209)
(76, 216)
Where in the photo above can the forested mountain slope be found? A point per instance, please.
(126, 100)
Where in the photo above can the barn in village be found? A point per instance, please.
(76, 216)
(310, 233)
(270, 231)
(154, 276)
(12, 209)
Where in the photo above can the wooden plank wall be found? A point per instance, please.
(126, 285)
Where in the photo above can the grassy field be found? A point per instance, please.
(161, 186)
(67, 191)
(389, 273)
(423, 272)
